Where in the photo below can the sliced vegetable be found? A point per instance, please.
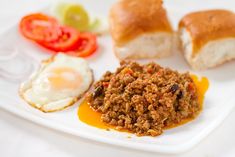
(95, 23)
(40, 27)
(88, 45)
(47, 32)
(75, 16)
(98, 25)
(68, 41)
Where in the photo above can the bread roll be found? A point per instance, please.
(208, 38)
(140, 29)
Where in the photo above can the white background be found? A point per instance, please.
(21, 138)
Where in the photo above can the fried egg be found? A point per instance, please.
(58, 83)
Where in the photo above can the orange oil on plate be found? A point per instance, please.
(202, 86)
(87, 115)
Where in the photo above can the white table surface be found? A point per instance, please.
(21, 138)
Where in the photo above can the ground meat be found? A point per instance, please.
(144, 99)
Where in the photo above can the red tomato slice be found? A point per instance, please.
(68, 41)
(88, 45)
(40, 27)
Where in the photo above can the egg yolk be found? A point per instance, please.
(64, 78)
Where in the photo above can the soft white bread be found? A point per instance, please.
(208, 38)
(140, 29)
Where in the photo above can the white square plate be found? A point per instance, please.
(219, 100)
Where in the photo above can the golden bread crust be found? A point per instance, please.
(205, 26)
(131, 18)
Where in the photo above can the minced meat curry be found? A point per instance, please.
(144, 99)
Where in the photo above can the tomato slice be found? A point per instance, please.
(88, 45)
(40, 27)
(46, 31)
(68, 41)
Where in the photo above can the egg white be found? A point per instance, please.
(38, 92)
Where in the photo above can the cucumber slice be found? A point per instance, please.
(95, 23)
(99, 25)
